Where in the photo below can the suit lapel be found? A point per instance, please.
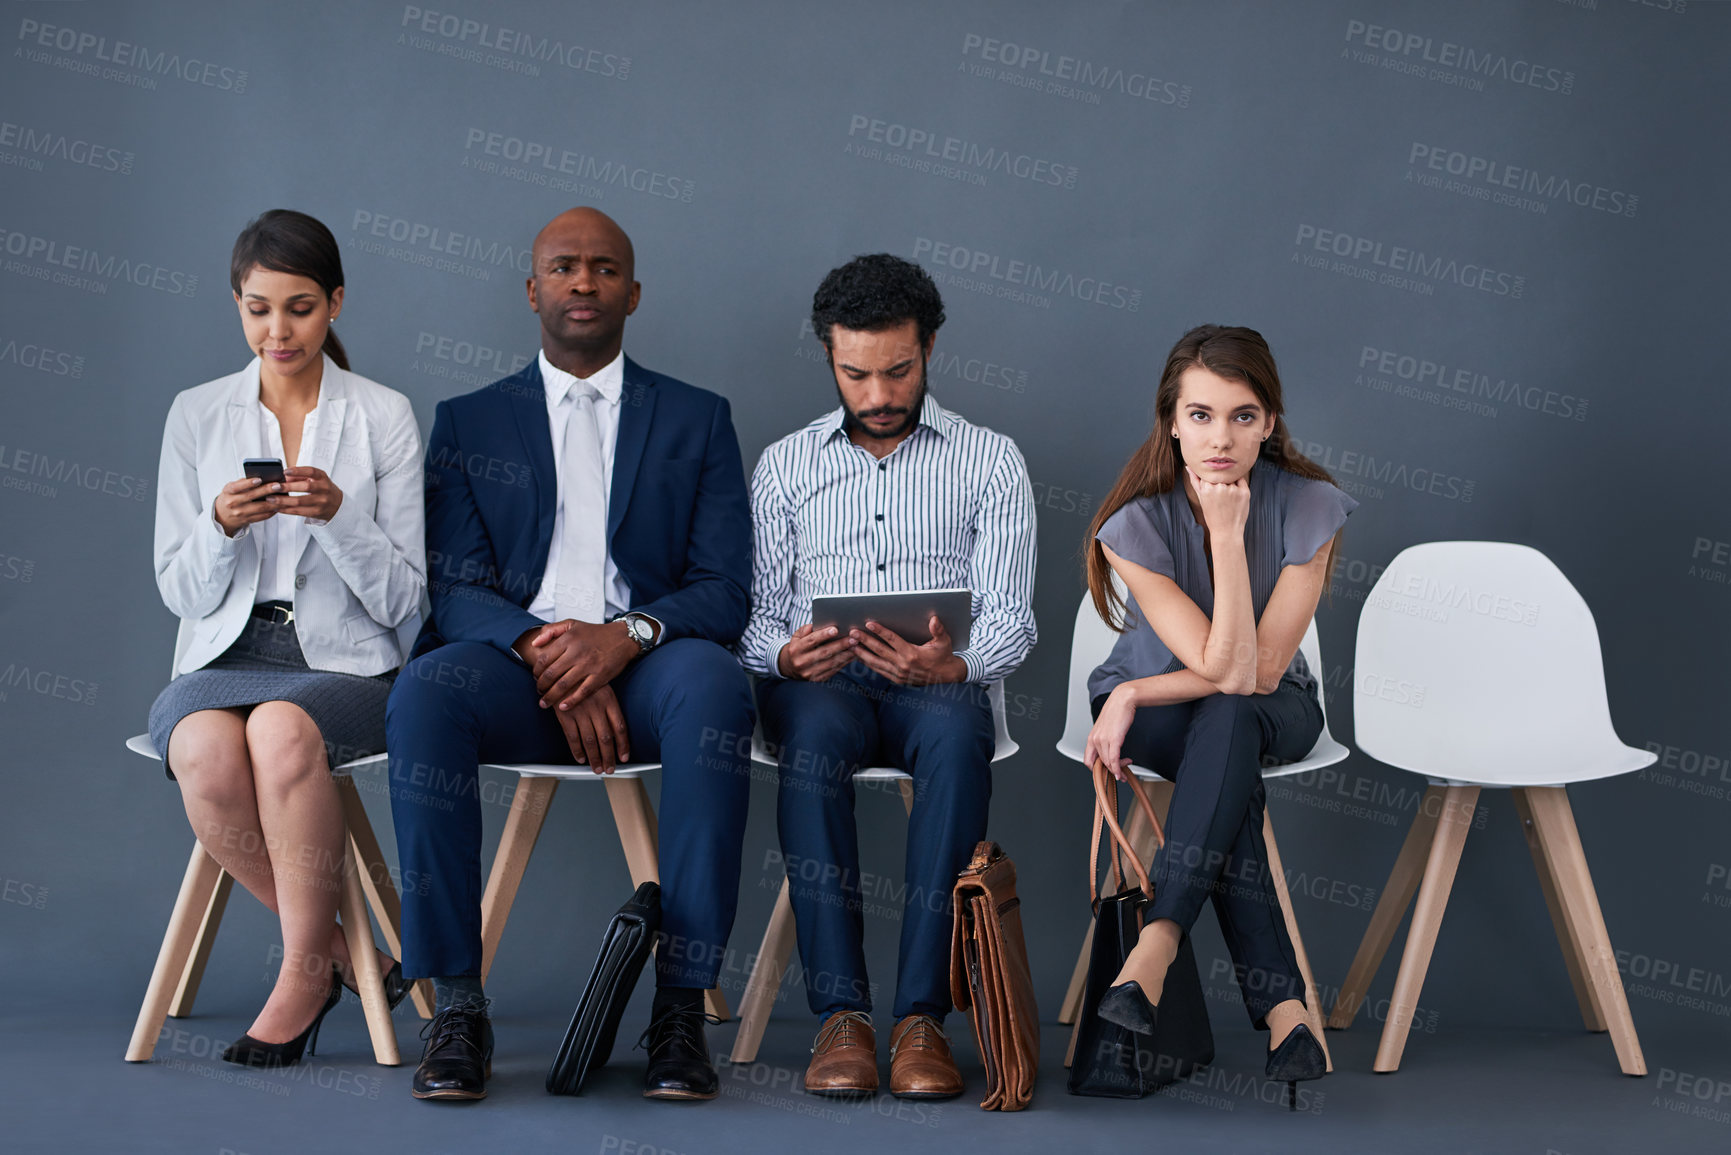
(333, 407)
(243, 418)
(529, 401)
(636, 407)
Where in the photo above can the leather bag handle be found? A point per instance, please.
(1106, 818)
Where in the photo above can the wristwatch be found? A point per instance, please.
(641, 628)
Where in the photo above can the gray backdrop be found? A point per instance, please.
(1483, 239)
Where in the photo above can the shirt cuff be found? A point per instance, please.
(773, 652)
(223, 541)
(976, 665)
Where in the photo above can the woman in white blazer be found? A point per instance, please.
(298, 601)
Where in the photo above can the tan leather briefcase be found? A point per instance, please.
(989, 977)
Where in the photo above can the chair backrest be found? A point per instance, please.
(1003, 744)
(1478, 662)
(1092, 641)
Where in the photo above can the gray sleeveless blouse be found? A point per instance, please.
(1291, 517)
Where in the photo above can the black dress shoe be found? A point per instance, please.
(250, 1052)
(1126, 1006)
(1299, 1056)
(679, 1066)
(458, 1059)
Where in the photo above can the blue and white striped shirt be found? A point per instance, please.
(950, 507)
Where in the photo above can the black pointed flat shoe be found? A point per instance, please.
(1126, 1006)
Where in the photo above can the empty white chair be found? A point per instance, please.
(771, 963)
(1089, 646)
(1478, 666)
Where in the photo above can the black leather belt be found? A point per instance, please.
(276, 613)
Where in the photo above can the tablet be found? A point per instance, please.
(908, 613)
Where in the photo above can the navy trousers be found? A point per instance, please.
(823, 732)
(1213, 750)
(469, 702)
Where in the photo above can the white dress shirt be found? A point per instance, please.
(609, 383)
(949, 507)
(281, 538)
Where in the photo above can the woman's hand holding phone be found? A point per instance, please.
(240, 503)
(315, 494)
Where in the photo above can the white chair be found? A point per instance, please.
(1478, 666)
(1089, 646)
(633, 815)
(204, 895)
(770, 967)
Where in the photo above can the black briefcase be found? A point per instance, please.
(624, 949)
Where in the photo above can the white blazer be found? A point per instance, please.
(361, 580)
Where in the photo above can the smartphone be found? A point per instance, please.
(266, 469)
(263, 468)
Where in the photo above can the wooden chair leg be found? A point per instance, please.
(187, 992)
(634, 815)
(766, 975)
(1568, 935)
(1277, 871)
(376, 882)
(522, 827)
(907, 785)
(1459, 803)
(190, 906)
(369, 981)
(1554, 821)
(1397, 894)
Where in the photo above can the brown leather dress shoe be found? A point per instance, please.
(844, 1060)
(921, 1066)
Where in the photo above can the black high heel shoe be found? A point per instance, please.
(1126, 1006)
(397, 987)
(247, 1051)
(1298, 1057)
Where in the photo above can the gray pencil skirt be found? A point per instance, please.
(265, 664)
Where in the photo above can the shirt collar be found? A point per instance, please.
(932, 415)
(608, 381)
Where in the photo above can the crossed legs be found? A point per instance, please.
(258, 792)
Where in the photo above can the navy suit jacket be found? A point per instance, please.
(678, 519)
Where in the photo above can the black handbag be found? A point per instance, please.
(1109, 1061)
(624, 949)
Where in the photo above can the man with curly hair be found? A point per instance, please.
(889, 491)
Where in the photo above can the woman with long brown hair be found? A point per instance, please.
(1223, 534)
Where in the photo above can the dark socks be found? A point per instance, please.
(455, 990)
(676, 998)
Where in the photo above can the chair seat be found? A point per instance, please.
(571, 771)
(1542, 763)
(141, 744)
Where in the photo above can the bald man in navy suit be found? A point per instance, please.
(589, 556)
